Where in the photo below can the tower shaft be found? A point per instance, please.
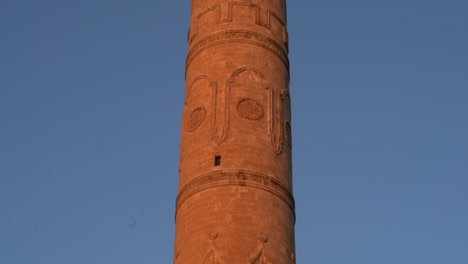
(235, 203)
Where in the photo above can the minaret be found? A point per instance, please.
(235, 203)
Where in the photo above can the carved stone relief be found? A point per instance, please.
(250, 109)
(238, 36)
(236, 178)
(239, 12)
(225, 13)
(250, 90)
(259, 256)
(237, 84)
(262, 256)
(197, 108)
(196, 118)
(263, 105)
(214, 255)
(244, 81)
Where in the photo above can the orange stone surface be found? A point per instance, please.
(235, 203)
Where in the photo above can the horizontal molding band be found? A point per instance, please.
(235, 177)
(238, 36)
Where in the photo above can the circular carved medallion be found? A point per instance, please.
(250, 109)
(196, 118)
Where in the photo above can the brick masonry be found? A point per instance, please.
(235, 203)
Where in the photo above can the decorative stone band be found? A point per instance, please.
(226, 13)
(234, 177)
(238, 36)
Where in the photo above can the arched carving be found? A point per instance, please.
(245, 80)
(197, 108)
(249, 68)
(253, 79)
(198, 79)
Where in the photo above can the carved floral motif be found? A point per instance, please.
(250, 109)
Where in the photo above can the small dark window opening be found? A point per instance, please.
(217, 160)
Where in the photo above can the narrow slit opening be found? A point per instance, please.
(217, 161)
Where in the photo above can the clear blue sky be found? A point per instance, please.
(91, 94)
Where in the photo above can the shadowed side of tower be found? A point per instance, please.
(235, 203)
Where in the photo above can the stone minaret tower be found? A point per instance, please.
(235, 203)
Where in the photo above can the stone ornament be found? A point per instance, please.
(262, 256)
(196, 118)
(250, 109)
(232, 178)
(214, 255)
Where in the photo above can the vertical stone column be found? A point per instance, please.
(235, 203)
